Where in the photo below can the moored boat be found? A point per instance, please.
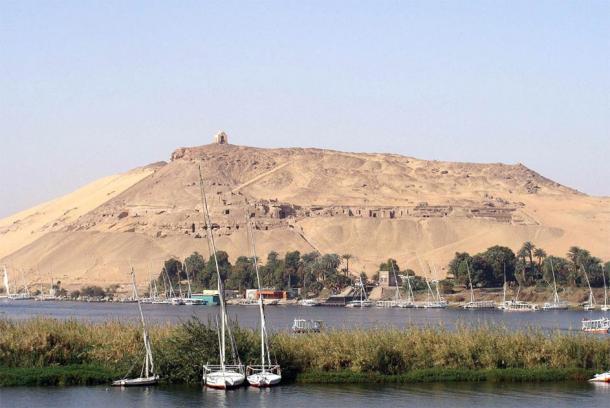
(596, 325)
(473, 304)
(556, 303)
(603, 377)
(222, 375)
(310, 302)
(264, 374)
(307, 326)
(147, 375)
(363, 301)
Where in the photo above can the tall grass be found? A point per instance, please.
(412, 354)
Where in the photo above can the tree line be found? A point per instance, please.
(530, 266)
(314, 271)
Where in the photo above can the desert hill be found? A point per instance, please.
(372, 206)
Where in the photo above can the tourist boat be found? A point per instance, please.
(265, 374)
(248, 302)
(147, 375)
(177, 301)
(473, 304)
(195, 302)
(603, 377)
(307, 326)
(310, 302)
(222, 375)
(596, 325)
(556, 304)
(518, 306)
(363, 301)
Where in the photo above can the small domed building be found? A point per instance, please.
(221, 138)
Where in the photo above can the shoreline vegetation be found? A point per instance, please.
(45, 351)
(530, 271)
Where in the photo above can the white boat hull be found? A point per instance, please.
(224, 380)
(265, 379)
(136, 382)
(603, 377)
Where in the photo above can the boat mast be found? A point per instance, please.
(605, 288)
(591, 297)
(411, 297)
(504, 286)
(6, 283)
(212, 245)
(555, 295)
(261, 305)
(470, 281)
(188, 280)
(397, 296)
(148, 363)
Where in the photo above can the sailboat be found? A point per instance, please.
(590, 305)
(473, 304)
(363, 301)
(7, 287)
(265, 374)
(24, 295)
(147, 375)
(515, 305)
(409, 302)
(556, 304)
(397, 301)
(222, 375)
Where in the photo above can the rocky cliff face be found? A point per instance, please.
(373, 206)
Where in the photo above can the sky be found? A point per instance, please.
(90, 89)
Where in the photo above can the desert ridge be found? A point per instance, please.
(372, 206)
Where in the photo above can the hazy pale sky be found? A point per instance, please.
(89, 89)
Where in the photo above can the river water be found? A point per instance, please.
(454, 395)
(281, 317)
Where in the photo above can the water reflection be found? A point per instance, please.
(353, 396)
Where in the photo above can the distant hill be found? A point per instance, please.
(373, 206)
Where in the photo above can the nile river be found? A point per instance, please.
(453, 395)
(281, 317)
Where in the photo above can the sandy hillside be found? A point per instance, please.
(372, 206)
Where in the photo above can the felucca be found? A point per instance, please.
(590, 305)
(515, 305)
(363, 301)
(222, 375)
(147, 375)
(473, 304)
(556, 304)
(265, 374)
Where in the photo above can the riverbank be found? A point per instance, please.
(45, 351)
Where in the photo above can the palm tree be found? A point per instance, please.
(529, 248)
(527, 252)
(347, 257)
(539, 254)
